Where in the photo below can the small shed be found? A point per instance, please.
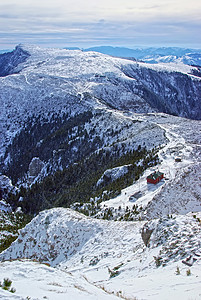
(155, 177)
(178, 159)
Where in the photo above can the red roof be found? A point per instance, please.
(155, 177)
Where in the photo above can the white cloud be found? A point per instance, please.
(95, 20)
(91, 10)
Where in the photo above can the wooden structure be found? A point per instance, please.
(155, 177)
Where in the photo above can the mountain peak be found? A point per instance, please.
(9, 61)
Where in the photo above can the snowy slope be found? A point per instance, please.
(38, 281)
(64, 233)
(179, 192)
(106, 259)
(180, 195)
(96, 256)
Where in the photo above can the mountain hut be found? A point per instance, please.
(155, 177)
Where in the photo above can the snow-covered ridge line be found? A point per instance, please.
(44, 55)
(56, 235)
(59, 236)
(111, 255)
(52, 80)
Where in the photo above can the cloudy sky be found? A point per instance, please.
(85, 23)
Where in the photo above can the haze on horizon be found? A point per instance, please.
(127, 23)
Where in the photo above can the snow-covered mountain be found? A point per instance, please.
(78, 127)
(43, 90)
(193, 59)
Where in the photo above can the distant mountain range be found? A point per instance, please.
(153, 55)
(139, 53)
